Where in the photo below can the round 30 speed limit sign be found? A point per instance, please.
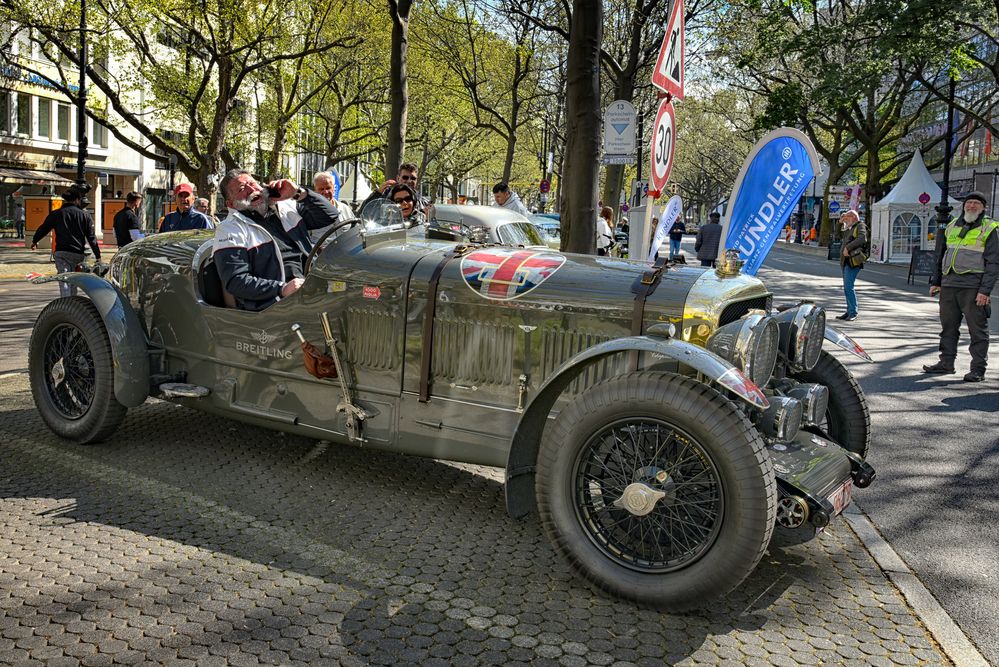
(663, 143)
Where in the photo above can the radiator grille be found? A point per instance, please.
(734, 311)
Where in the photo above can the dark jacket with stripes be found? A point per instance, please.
(248, 258)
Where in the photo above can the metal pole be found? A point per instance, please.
(993, 200)
(944, 208)
(639, 150)
(81, 109)
(357, 177)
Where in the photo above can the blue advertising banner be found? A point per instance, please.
(774, 177)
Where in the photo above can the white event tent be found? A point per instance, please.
(363, 185)
(903, 219)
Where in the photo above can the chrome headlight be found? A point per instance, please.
(750, 344)
(802, 330)
(782, 420)
(814, 401)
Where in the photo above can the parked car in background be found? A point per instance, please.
(551, 227)
(483, 224)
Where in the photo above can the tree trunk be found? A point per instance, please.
(511, 147)
(395, 151)
(582, 142)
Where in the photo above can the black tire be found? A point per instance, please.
(848, 419)
(72, 372)
(730, 509)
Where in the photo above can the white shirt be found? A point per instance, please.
(604, 235)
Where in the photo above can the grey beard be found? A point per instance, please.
(258, 205)
(970, 217)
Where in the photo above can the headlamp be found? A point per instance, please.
(750, 344)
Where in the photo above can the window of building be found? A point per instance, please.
(45, 118)
(62, 121)
(4, 112)
(99, 135)
(23, 112)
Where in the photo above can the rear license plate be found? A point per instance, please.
(840, 498)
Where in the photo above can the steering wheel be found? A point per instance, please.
(322, 239)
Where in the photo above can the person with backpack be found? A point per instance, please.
(852, 260)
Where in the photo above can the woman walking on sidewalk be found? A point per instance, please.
(852, 260)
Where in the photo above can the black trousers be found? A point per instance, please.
(708, 262)
(955, 303)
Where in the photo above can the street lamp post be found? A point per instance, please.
(943, 209)
(81, 108)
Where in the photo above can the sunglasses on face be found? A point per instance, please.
(407, 177)
(405, 199)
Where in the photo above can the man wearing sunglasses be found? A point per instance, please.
(408, 175)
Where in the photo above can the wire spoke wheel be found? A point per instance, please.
(72, 371)
(69, 371)
(648, 494)
(657, 488)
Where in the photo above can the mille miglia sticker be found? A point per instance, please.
(505, 274)
(371, 292)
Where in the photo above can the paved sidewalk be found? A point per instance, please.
(191, 539)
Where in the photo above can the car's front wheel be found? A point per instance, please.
(72, 372)
(654, 487)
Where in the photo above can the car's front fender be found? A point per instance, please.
(129, 349)
(527, 437)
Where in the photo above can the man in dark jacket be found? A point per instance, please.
(967, 267)
(261, 247)
(676, 233)
(126, 221)
(72, 227)
(185, 217)
(708, 238)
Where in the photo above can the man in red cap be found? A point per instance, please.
(184, 217)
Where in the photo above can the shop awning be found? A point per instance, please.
(32, 177)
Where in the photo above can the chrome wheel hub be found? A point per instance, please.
(639, 499)
(58, 373)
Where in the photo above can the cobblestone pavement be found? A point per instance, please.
(192, 539)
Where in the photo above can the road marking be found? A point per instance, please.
(782, 261)
(952, 640)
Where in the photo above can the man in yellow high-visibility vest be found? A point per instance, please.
(967, 266)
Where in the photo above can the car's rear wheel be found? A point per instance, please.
(848, 419)
(72, 372)
(654, 487)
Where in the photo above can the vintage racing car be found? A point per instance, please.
(662, 420)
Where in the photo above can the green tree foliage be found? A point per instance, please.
(710, 150)
(198, 60)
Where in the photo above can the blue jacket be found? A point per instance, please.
(175, 221)
(248, 257)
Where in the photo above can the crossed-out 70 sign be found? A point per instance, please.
(663, 144)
